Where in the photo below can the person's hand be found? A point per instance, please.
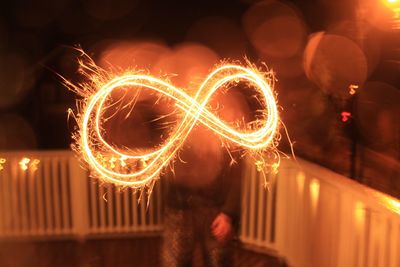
(222, 227)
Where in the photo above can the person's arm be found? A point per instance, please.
(225, 222)
(231, 206)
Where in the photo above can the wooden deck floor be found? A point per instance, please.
(122, 252)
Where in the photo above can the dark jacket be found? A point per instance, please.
(223, 193)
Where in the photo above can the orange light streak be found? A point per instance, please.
(138, 169)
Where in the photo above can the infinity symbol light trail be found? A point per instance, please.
(138, 169)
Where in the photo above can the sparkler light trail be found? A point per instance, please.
(141, 168)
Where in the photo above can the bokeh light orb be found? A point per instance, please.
(189, 63)
(123, 55)
(369, 41)
(334, 62)
(275, 29)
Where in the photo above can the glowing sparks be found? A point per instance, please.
(141, 168)
(259, 165)
(275, 167)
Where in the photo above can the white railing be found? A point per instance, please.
(314, 217)
(309, 215)
(55, 197)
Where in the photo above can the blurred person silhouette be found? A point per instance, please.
(202, 198)
(202, 190)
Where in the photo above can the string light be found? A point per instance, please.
(24, 163)
(2, 162)
(353, 89)
(345, 116)
(34, 165)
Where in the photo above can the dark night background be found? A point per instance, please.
(36, 40)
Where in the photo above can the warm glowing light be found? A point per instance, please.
(345, 116)
(2, 162)
(353, 89)
(34, 165)
(141, 168)
(314, 193)
(359, 213)
(388, 202)
(393, 205)
(300, 178)
(24, 163)
(394, 5)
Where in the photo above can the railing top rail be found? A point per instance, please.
(369, 196)
(30, 153)
(373, 198)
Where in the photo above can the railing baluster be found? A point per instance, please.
(15, 223)
(143, 206)
(100, 199)
(280, 222)
(244, 232)
(2, 203)
(40, 198)
(159, 196)
(32, 202)
(150, 211)
(135, 206)
(94, 206)
(6, 213)
(65, 198)
(261, 206)
(127, 211)
(394, 244)
(48, 199)
(252, 218)
(269, 192)
(118, 209)
(55, 178)
(23, 202)
(110, 208)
